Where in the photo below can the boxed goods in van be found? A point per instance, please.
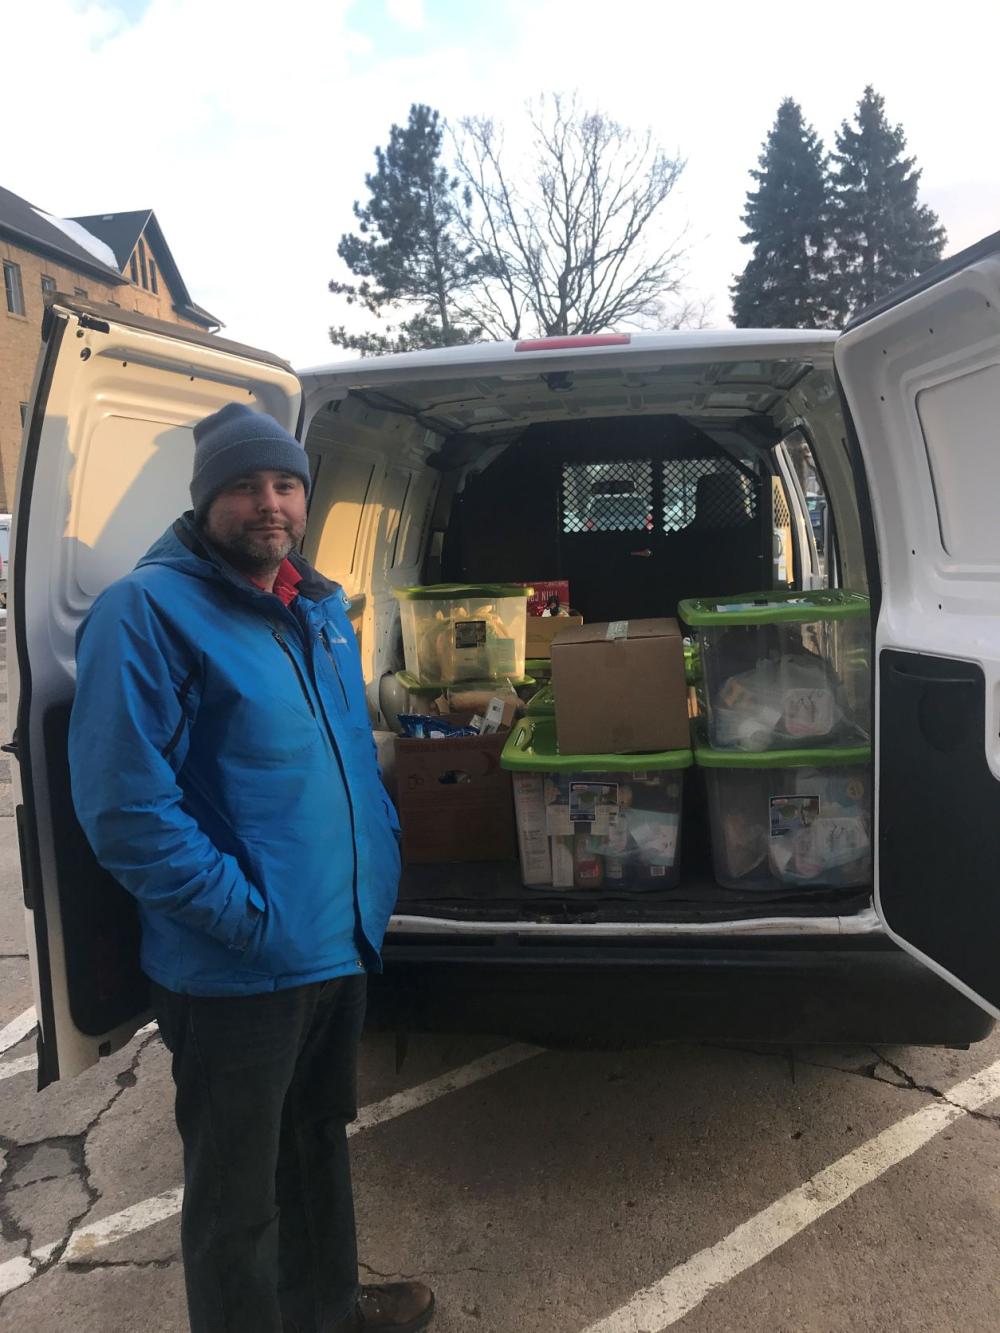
(796, 817)
(463, 632)
(594, 821)
(454, 799)
(784, 670)
(620, 688)
(549, 614)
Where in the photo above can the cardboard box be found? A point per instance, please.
(543, 629)
(455, 801)
(620, 688)
(532, 835)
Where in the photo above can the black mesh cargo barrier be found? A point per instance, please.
(608, 497)
(708, 493)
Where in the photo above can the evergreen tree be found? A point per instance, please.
(883, 235)
(409, 253)
(783, 285)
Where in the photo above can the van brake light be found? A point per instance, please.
(573, 341)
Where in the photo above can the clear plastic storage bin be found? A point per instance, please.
(596, 822)
(790, 818)
(784, 670)
(456, 632)
(542, 703)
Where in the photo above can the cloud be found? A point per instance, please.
(408, 14)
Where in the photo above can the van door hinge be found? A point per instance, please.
(13, 747)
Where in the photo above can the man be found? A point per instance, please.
(224, 772)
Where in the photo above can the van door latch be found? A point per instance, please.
(12, 747)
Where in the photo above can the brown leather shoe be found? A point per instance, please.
(394, 1307)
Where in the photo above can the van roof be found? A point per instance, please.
(499, 387)
(641, 348)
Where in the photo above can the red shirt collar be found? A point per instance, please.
(286, 583)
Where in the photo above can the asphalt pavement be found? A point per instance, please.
(688, 1187)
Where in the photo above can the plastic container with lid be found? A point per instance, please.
(793, 817)
(594, 821)
(784, 670)
(463, 632)
(542, 703)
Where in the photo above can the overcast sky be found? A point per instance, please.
(249, 127)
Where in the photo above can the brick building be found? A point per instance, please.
(120, 258)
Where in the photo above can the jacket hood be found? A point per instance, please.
(182, 547)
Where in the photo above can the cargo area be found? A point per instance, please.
(636, 511)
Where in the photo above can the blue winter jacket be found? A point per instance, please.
(224, 772)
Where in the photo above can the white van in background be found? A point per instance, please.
(460, 465)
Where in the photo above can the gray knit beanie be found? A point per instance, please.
(234, 441)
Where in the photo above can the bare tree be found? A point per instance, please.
(572, 245)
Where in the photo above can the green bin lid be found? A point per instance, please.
(538, 666)
(835, 757)
(542, 704)
(417, 686)
(532, 748)
(768, 608)
(458, 592)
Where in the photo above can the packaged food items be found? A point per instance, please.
(594, 821)
(790, 817)
(430, 727)
(457, 632)
(784, 670)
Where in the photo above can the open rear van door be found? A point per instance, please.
(921, 378)
(104, 470)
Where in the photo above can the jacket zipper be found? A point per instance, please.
(336, 669)
(295, 667)
(343, 775)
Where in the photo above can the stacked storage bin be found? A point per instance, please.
(786, 741)
(462, 634)
(594, 821)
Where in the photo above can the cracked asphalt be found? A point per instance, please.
(537, 1199)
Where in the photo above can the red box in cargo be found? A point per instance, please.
(550, 595)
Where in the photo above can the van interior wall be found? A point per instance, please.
(619, 508)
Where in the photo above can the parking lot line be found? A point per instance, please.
(21, 1065)
(119, 1226)
(663, 1303)
(17, 1029)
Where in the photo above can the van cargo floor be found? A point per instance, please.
(492, 891)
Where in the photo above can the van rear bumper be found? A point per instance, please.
(600, 993)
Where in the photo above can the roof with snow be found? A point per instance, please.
(121, 231)
(101, 245)
(72, 243)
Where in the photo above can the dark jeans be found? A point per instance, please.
(266, 1085)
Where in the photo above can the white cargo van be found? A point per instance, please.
(460, 465)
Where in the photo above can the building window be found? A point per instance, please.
(134, 268)
(142, 263)
(152, 276)
(12, 287)
(48, 285)
(81, 292)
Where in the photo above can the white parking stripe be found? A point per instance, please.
(19, 1066)
(662, 1304)
(16, 1272)
(408, 1100)
(17, 1029)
